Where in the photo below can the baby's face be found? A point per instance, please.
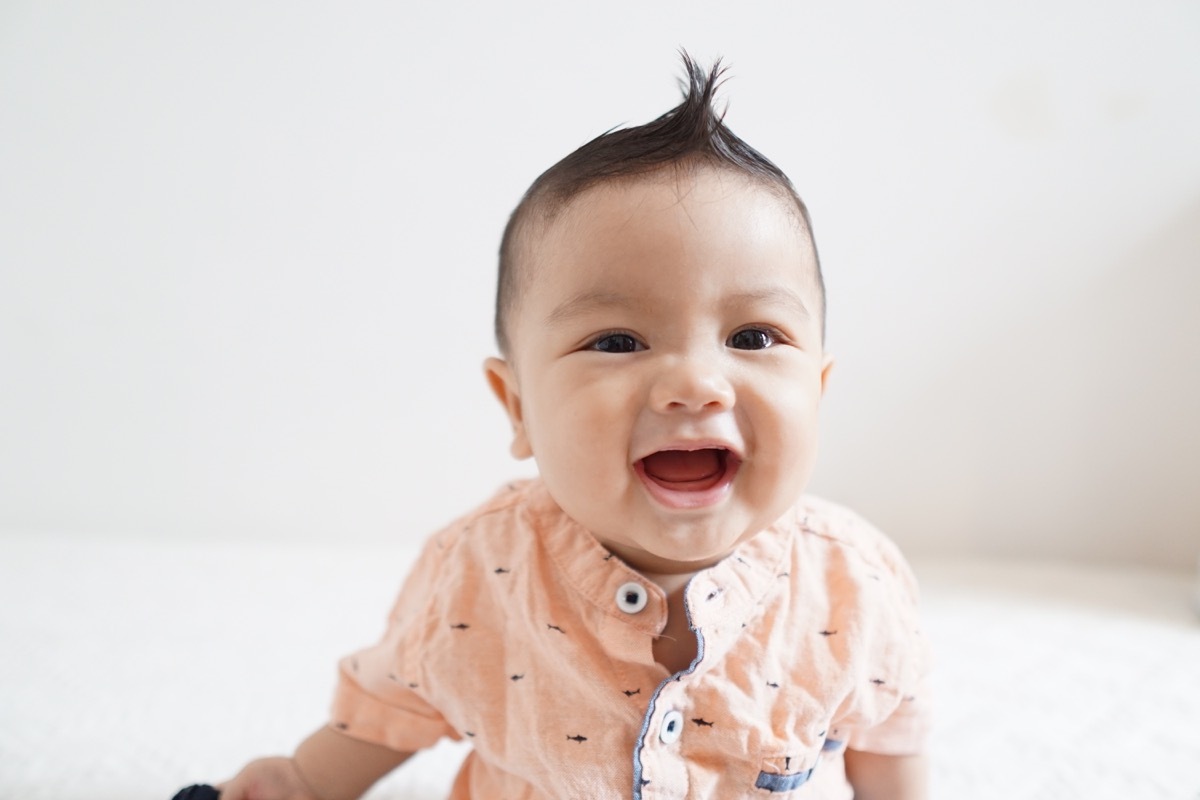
(667, 366)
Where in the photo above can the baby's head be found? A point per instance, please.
(660, 312)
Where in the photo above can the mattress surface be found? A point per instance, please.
(132, 668)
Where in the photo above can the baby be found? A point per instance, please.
(661, 614)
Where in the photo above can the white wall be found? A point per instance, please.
(247, 254)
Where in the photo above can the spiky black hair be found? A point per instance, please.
(691, 134)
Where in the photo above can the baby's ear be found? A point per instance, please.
(503, 380)
(826, 368)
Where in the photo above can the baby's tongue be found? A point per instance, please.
(682, 466)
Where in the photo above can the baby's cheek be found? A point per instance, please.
(788, 453)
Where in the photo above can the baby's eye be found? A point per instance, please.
(617, 343)
(752, 339)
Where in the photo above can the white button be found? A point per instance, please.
(672, 727)
(631, 598)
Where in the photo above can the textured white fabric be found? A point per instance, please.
(130, 669)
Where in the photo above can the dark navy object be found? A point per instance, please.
(782, 783)
(199, 791)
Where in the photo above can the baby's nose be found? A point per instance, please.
(691, 384)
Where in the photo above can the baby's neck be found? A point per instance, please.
(675, 647)
(672, 583)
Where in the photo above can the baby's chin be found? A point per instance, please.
(668, 555)
(652, 538)
(657, 564)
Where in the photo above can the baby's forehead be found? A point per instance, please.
(642, 193)
(618, 216)
(606, 233)
(622, 202)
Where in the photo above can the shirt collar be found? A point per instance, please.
(725, 592)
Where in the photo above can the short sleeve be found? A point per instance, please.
(906, 730)
(378, 696)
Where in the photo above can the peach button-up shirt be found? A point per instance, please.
(517, 630)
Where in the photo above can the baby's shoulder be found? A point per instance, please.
(817, 516)
(509, 499)
(860, 546)
(501, 524)
(455, 562)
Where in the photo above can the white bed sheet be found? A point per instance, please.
(130, 669)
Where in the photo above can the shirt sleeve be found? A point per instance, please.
(378, 698)
(906, 730)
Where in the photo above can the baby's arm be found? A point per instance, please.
(880, 777)
(328, 765)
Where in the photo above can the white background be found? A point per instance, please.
(247, 254)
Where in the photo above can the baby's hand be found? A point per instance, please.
(267, 779)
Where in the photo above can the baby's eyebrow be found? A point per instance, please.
(788, 300)
(592, 300)
(599, 299)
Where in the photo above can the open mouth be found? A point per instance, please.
(688, 478)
